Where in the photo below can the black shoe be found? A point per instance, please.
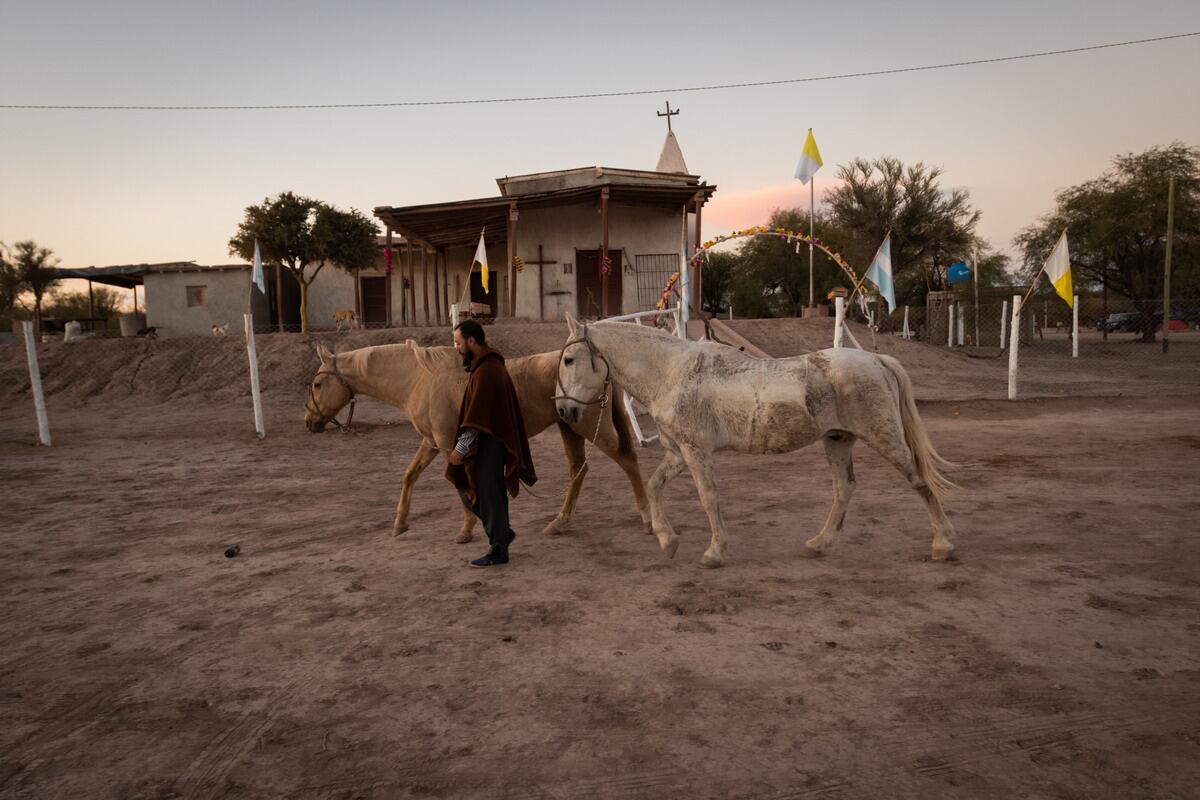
(490, 560)
(512, 535)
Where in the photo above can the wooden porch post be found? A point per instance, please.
(425, 285)
(696, 274)
(603, 251)
(387, 283)
(445, 282)
(412, 286)
(512, 253)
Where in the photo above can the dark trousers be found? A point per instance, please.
(491, 504)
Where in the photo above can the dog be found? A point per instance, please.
(149, 332)
(347, 316)
(219, 330)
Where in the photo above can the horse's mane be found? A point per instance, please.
(435, 359)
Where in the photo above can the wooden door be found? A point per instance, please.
(374, 301)
(588, 283)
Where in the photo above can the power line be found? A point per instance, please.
(596, 95)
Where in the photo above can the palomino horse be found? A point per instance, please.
(705, 397)
(428, 384)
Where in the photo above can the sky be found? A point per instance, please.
(125, 187)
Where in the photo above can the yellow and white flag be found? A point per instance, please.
(1058, 269)
(810, 160)
(481, 259)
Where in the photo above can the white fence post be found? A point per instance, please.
(907, 333)
(960, 326)
(1075, 328)
(950, 327)
(839, 319)
(35, 383)
(1003, 322)
(252, 354)
(1014, 346)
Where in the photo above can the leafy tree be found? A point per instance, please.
(11, 285)
(1117, 229)
(105, 302)
(35, 266)
(771, 278)
(931, 228)
(301, 233)
(717, 275)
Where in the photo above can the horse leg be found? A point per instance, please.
(895, 450)
(698, 463)
(609, 444)
(577, 468)
(839, 451)
(425, 454)
(670, 466)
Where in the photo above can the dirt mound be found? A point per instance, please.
(158, 370)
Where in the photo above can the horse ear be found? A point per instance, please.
(572, 325)
(323, 353)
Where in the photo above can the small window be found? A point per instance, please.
(197, 296)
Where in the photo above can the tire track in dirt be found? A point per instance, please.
(206, 774)
(959, 748)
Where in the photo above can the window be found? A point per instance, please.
(197, 296)
(653, 272)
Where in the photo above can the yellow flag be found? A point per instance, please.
(1058, 269)
(810, 160)
(481, 259)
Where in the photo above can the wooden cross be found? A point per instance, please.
(541, 261)
(668, 114)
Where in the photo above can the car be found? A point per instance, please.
(1121, 321)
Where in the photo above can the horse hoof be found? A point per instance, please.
(399, 528)
(649, 529)
(554, 528)
(810, 552)
(463, 537)
(943, 553)
(710, 562)
(670, 546)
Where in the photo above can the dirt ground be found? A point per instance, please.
(1059, 657)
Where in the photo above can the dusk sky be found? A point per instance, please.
(122, 187)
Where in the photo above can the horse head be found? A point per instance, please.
(327, 394)
(584, 377)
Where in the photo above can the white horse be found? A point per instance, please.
(705, 396)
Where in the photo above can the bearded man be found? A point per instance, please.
(491, 458)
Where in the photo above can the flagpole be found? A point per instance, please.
(812, 193)
(976, 296)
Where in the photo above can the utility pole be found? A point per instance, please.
(1167, 265)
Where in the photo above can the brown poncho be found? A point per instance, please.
(490, 405)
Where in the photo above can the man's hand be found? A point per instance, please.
(456, 458)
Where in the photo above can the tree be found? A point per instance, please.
(300, 233)
(931, 228)
(104, 302)
(772, 275)
(1117, 229)
(717, 271)
(35, 266)
(11, 285)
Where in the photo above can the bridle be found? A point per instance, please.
(605, 391)
(316, 407)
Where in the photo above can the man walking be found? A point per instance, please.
(491, 459)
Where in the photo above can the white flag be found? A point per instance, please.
(481, 259)
(258, 270)
(880, 272)
(810, 160)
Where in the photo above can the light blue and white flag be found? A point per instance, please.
(258, 270)
(880, 272)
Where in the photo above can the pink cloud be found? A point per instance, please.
(728, 211)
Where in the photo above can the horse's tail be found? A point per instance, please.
(929, 463)
(620, 421)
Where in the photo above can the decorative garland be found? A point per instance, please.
(761, 230)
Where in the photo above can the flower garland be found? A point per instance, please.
(759, 230)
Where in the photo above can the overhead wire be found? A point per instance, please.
(597, 95)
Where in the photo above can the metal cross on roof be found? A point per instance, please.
(668, 114)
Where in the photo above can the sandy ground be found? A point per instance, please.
(1059, 657)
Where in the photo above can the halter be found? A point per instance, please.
(605, 391)
(316, 407)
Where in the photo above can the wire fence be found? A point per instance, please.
(1117, 331)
